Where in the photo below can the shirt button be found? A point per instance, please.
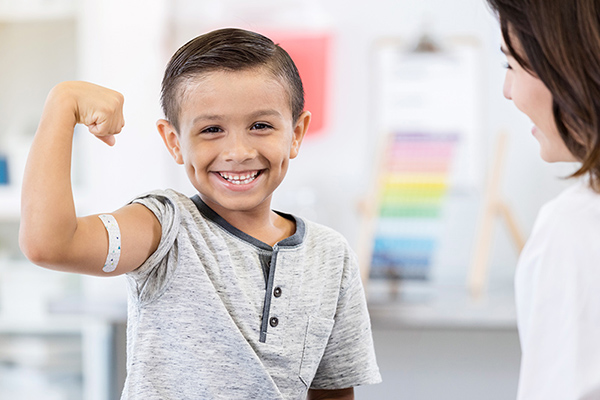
(274, 322)
(277, 292)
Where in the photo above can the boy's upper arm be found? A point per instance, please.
(140, 235)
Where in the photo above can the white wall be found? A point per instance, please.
(336, 167)
(125, 45)
(121, 46)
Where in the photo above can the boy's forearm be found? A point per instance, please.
(48, 218)
(339, 394)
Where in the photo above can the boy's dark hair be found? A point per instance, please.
(559, 42)
(228, 49)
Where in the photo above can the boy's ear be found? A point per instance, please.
(299, 131)
(171, 139)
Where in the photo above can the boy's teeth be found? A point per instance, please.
(239, 179)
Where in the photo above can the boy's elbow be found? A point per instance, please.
(32, 252)
(36, 251)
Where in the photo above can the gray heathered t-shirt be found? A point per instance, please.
(217, 314)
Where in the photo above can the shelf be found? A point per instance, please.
(428, 305)
(10, 202)
(47, 326)
(110, 312)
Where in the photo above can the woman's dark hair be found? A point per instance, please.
(227, 50)
(559, 42)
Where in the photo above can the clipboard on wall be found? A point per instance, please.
(426, 107)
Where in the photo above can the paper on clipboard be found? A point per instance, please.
(434, 92)
(427, 105)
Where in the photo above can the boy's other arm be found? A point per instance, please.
(344, 394)
(51, 235)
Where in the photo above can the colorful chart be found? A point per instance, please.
(414, 184)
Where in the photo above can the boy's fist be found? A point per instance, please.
(97, 107)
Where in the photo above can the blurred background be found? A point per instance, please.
(408, 106)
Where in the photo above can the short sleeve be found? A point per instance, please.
(349, 358)
(150, 279)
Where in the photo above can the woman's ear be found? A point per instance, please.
(171, 139)
(299, 131)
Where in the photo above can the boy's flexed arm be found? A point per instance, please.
(50, 234)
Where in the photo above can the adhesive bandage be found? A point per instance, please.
(114, 242)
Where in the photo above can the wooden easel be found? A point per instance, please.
(493, 206)
(369, 208)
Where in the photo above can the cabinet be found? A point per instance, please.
(58, 358)
(41, 361)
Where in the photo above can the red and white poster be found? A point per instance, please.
(311, 52)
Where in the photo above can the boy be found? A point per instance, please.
(227, 298)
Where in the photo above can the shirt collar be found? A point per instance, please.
(296, 239)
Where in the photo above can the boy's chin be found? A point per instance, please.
(241, 204)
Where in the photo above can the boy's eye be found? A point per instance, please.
(211, 129)
(261, 126)
(507, 66)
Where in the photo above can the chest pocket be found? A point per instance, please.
(318, 331)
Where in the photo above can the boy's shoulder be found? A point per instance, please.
(167, 200)
(319, 235)
(164, 194)
(320, 229)
(316, 236)
(170, 207)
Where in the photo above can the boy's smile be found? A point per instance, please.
(239, 179)
(236, 138)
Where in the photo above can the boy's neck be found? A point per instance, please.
(262, 223)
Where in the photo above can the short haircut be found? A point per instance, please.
(559, 42)
(228, 49)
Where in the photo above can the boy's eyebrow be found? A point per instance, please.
(504, 51)
(256, 114)
(210, 117)
(266, 113)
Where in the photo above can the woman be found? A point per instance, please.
(553, 76)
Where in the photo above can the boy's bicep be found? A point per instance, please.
(139, 233)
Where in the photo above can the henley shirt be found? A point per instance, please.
(217, 314)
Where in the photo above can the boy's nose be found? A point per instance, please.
(238, 148)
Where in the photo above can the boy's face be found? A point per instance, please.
(236, 138)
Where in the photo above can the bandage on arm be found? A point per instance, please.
(114, 242)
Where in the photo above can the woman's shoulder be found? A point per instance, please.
(564, 242)
(577, 205)
(570, 223)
